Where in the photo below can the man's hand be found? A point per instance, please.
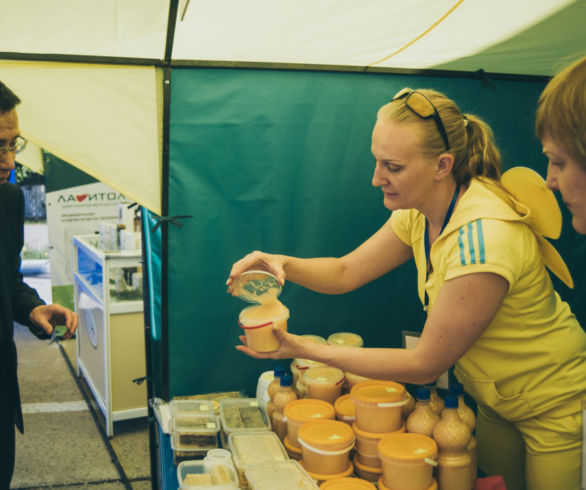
(49, 316)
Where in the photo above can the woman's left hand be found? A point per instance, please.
(292, 346)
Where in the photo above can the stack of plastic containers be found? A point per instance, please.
(298, 412)
(194, 429)
(378, 410)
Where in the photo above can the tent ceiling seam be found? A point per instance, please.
(423, 34)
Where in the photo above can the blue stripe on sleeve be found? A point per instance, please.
(480, 235)
(461, 243)
(471, 244)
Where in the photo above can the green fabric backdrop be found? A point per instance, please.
(280, 161)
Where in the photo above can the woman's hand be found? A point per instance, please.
(257, 261)
(292, 346)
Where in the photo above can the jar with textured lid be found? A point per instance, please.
(324, 383)
(378, 405)
(464, 411)
(453, 436)
(423, 419)
(298, 412)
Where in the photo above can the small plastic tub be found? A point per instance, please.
(322, 478)
(368, 473)
(344, 408)
(378, 405)
(292, 451)
(285, 475)
(203, 475)
(325, 446)
(353, 379)
(367, 442)
(324, 383)
(297, 412)
(347, 483)
(382, 486)
(348, 339)
(408, 460)
(250, 448)
(258, 328)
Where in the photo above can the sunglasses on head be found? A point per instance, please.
(424, 108)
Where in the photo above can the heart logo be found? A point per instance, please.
(81, 197)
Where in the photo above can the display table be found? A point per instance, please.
(110, 340)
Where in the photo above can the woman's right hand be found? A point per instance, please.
(257, 261)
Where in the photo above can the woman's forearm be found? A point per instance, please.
(324, 274)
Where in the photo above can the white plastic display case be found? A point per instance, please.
(110, 337)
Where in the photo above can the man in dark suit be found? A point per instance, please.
(18, 301)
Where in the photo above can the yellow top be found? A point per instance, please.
(378, 392)
(348, 339)
(533, 329)
(407, 447)
(327, 435)
(344, 406)
(309, 409)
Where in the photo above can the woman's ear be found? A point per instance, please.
(445, 162)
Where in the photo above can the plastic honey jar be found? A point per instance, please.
(325, 446)
(344, 408)
(408, 461)
(366, 472)
(382, 486)
(262, 289)
(324, 383)
(378, 405)
(297, 412)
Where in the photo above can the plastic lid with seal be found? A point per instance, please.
(308, 409)
(376, 435)
(257, 286)
(378, 392)
(407, 446)
(256, 448)
(326, 435)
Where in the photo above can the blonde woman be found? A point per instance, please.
(491, 308)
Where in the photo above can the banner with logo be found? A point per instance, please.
(76, 204)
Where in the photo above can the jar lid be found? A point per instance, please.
(347, 483)
(326, 434)
(257, 286)
(348, 339)
(308, 409)
(377, 391)
(323, 375)
(344, 406)
(408, 446)
(321, 477)
(315, 338)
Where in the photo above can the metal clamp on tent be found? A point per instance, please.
(175, 220)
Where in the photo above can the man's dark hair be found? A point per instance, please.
(8, 99)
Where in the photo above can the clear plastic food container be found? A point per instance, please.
(241, 414)
(203, 475)
(193, 407)
(283, 475)
(250, 448)
(195, 431)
